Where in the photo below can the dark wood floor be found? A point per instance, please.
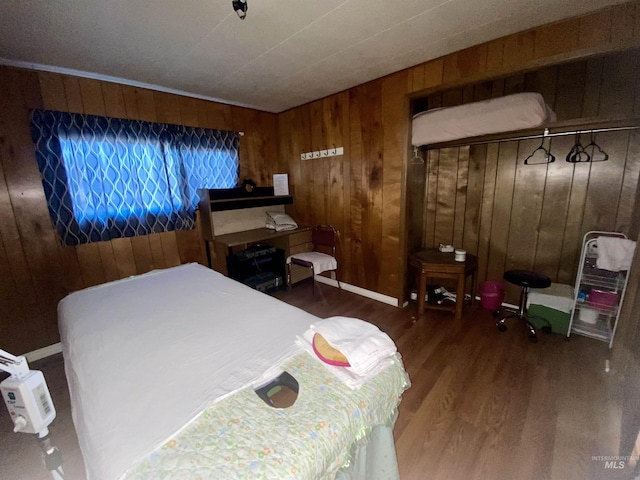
(483, 404)
(490, 405)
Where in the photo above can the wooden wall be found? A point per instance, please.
(363, 192)
(360, 192)
(369, 193)
(513, 216)
(625, 360)
(36, 270)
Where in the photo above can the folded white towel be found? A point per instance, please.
(368, 349)
(361, 342)
(321, 261)
(615, 253)
(346, 375)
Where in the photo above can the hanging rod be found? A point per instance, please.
(545, 134)
(575, 132)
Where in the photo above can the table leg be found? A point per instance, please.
(460, 296)
(422, 291)
(208, 251)
(473, 287)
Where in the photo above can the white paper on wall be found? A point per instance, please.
(281, 184)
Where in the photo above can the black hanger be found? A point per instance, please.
(549, 158)
(597, 154)
(417, 157)
(578, 154)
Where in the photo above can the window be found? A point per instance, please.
(109, 178)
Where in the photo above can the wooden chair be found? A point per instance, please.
(323, 256)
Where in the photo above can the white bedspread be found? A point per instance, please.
(321, 261)
(126, 346)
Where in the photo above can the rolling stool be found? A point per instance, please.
(526, 280)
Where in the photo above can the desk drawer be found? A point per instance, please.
(303, 247)
(299, 238)
(298, 273)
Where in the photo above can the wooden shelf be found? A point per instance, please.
(218, 200)
(587, 123)
(250, 202)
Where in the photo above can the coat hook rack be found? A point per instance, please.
(326, 153)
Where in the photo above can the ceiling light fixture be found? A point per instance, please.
(240, 6)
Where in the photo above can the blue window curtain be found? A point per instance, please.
(109, 178)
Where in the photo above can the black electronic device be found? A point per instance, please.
(264, 282)
(261, 267)
(256, 251)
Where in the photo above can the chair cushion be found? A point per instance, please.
(321, 261)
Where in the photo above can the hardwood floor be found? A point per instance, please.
(491, 405)
(482, 405)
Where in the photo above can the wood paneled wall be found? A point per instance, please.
(612, 29)
(36, 270)
(363, 192)
(513, 216)
(360, 193)
(369, 194)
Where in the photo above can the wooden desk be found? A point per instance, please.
(432, 263)
(291, 241)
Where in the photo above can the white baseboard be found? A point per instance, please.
(359, 290)
(478, 299)
(43, 352)
(503, 304)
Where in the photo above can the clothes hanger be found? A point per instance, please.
(578, 154)
(548, 157)
(597, 154)
(417, 158)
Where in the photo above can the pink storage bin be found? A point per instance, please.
(491, 295)
(603, 299)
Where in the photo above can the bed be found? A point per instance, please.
(162, 370)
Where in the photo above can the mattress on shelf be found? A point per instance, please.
(503, 114)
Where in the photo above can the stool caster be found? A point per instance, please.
(533, 336)
(502, 327)
(526, 280)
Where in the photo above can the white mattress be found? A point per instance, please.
(497, 115)
(143, 356)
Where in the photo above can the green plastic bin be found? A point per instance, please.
(540, 316)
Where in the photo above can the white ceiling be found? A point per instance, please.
(285, 53)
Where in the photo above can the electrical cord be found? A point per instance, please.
(52, 457)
